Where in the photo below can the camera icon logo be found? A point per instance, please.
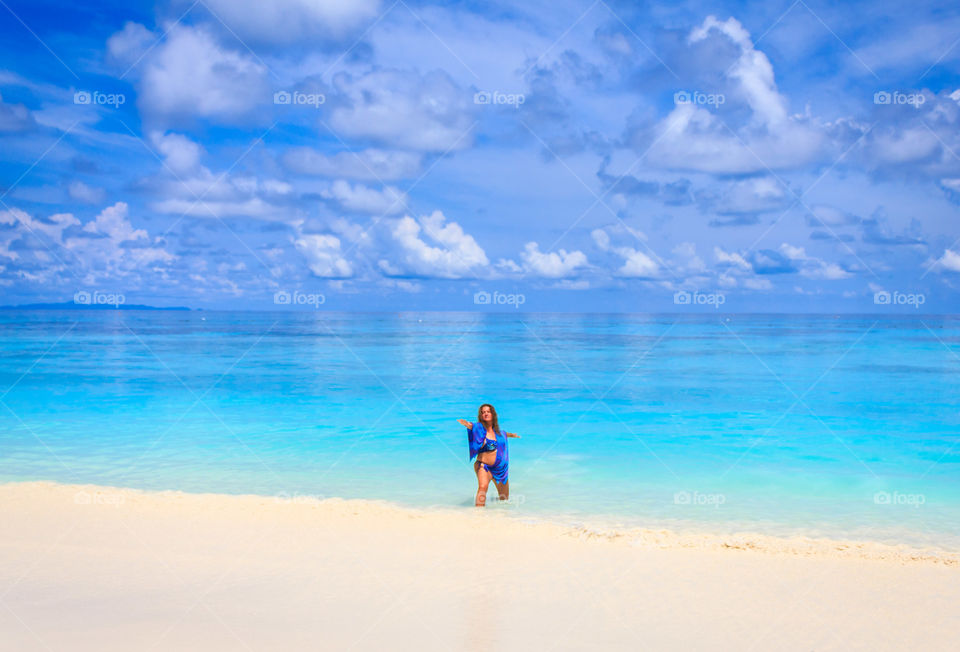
(81, 97)
(881, 298)
(681, 97)
(481, 298)
(681, 298)
(681, 498)
(483, 97)
(881, 97)
(281, 97)
(281, 298)
(82, 297)
(881, 498)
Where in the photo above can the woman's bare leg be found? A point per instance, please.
(503, 490)
(483, 482)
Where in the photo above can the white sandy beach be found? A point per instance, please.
(95, 568)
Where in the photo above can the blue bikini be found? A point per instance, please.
(478, 442)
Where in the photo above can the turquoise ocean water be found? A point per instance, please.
(844, 427)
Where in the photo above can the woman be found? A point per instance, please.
(489, 445)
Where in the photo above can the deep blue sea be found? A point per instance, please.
(837, 426)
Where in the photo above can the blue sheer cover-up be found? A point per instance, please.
(475, 439)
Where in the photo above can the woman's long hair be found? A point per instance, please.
(493, 411)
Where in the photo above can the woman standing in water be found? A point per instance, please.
(489, 445)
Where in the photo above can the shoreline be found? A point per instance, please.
(633, 537)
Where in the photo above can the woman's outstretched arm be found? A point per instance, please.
(512, 434)
(465, 423)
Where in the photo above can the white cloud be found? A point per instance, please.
(950, 260)
(951, 184)
(323, 255)
(754, 195)
(554, 264)
(127, 46)
(14, 117)
(180, 154)
(404, 109)
(692, 137)
(361, 199)
(432, 247)
(812, 267)
(189, 188)
(904, 145)
(831, 216)
(732, 259)
(22, 226)
(368, 164)
(107, 247)
(636, 263)
(686, 259)
(112, 222)
(793, 253)
(757, 283)
(285, 21)
(191, 76)
(82, 192)
(752, 69)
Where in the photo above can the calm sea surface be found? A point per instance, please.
(826, 426)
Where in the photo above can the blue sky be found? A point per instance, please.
(789, 156)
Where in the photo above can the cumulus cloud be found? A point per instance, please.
(323, 255)
(554, 264)
(126, 47)
(20, 228)
(693, 137)
(404, 109)
(918, 139)
(180, 154)
(950, 261)
(189, 188)
(637, 264)
(190, 75)
(812, 267)
(432, 247)
(107, 247)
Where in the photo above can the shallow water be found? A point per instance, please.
(843, 427)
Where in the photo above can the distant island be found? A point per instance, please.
(71, 305)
